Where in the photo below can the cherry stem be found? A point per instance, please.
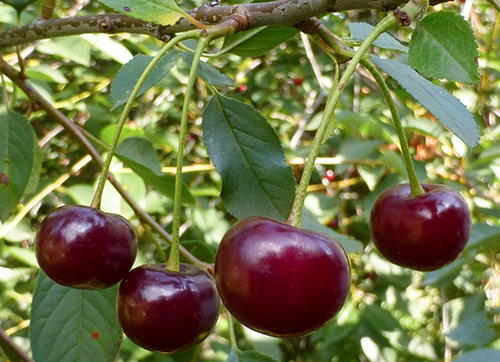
(416, 188)
(232, 334)
(96, 201)
(173, 262)
(295, 218)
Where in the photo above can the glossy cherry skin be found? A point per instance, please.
(281, 280)
(425, 232)
(165, 311)
(85, 248)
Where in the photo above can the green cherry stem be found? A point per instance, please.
(295, 218)
(96, 201)
(416, 188)
(173, 262)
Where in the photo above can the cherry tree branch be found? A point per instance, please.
(281, 12)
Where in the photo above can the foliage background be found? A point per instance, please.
(393, 314)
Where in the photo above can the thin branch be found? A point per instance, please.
(282, 12)
(7, 343)
(73, 129)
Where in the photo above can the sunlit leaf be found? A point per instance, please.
(164, 12)
(443, 46)
(443, 105)
(73, 325)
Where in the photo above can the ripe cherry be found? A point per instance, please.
(424, 232)
(281, 280)
(166, 311)
(83, 247)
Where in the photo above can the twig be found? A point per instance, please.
(7, 343)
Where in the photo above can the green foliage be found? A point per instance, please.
(448, 109)
(130, 73)
(165, 12)
(248, 155)
(19, 169)
(447, 36)
(140, 155)
(256, 42)
(89, 329)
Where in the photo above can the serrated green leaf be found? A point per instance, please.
(18, 159)
(163, 12)
(140, 155)
(255, 42)
(359, 32)
(479, 355)
(443, 47)
(72, 325)
(129, 74)
(245, 149)
(249, 356)
(443, 105)
(208, 73)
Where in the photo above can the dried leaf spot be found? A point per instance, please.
(127, 9)
(4, 179)
(95, 335)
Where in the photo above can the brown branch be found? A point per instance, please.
(15, 352)
(281, 12)
(73, 129)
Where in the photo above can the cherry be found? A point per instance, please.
(298, 81)
(281, 280)
(329, 175)
(166, 311)
(424, 232)
(85, 248)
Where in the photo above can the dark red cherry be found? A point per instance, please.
(165, 311)
(281, 280)
(424, 232)
(83, 247)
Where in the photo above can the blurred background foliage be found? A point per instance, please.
(393, 314)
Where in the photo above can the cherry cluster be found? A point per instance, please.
(274, 278)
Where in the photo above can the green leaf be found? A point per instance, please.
(208, 73)
(245, 149)
(444, 276)
(18, 159)
(475, 330)
(256, 42)
(129, 74)
(163, 12)
(249, 356)
(72, 48)
(359, 32)
(109, 47)
(46, 73)
(25, 256)
(19, 5)
(479, 355)
(483, 238)
(140, 155)
(443, 47)
(444, 106)
(72, 325)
